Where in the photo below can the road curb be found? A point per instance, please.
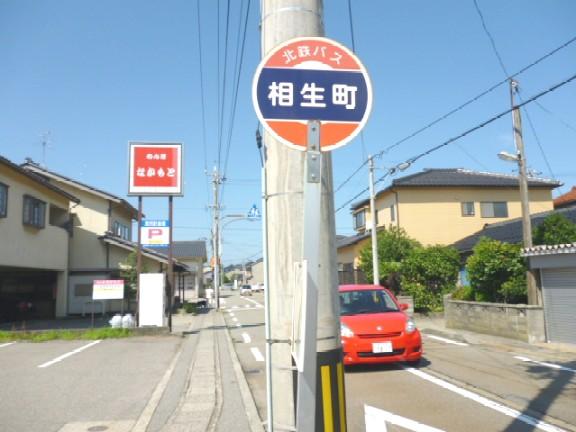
(254, 419)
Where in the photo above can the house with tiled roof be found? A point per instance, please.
(566, 200)
(100, 241)
(35, 230)
(441, 206)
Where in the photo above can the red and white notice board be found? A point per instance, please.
(155, 169)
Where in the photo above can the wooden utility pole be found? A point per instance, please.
(533, 292)
(281, 21)
(373, 216)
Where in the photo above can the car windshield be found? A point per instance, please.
(366, 302)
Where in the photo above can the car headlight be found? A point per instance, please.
(410, 325)
(345, 331)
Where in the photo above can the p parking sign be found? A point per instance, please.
(312, 78)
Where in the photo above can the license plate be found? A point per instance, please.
(382, 347)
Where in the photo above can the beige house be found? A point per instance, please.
(441, 206)
(34, 218)
(100, 243)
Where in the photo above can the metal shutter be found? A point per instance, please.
(559, 292)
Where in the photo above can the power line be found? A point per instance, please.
(223, 104)
(238, 68)
(351, 23)
(465, 104)
(413, 159)
(492, 42)
(202, 98)
(560, 119)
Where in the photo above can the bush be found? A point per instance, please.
(428, 273)
(555, 229)
(393, 246)
(497, 272)
(463, 293)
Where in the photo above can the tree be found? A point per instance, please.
(393, 246)
(555, 229)
(428, 273)
(497, 272)
(129, 274)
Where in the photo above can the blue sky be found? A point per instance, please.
(98, 74)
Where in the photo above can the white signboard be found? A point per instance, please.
(108, 289)
(155, 233)
(151, 306)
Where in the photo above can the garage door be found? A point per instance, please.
(559, 290)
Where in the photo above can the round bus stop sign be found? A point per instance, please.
(312, 78)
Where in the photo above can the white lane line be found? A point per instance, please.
(448, 341)
(71, 353)
(238, 325)
(510, 412)
(376, 419)
(235, 307)
(247, 306)
(257, 354)
(6, 344)
(235, 319)
(246, 337)
(254, 302)
(550, 365)
(231, 314)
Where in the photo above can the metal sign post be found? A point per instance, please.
(306, 398)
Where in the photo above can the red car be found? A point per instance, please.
(375, 328)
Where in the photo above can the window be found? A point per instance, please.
(494, 209)
(360, 219)
(34, 212)
(392, 213)
(3, 200)
(468, 208)
(121, 230)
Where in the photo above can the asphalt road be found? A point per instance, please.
(53, 386)
(460, 386)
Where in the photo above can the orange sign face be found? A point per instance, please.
(155, 169)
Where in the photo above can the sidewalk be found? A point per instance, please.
(437, 326)
(214, 396)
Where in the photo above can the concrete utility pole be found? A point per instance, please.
(533, 292)
(282, 20)
(375, 269)
(216, 182)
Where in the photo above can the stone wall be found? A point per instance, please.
(522, 322)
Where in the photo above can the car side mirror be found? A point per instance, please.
(404, 306)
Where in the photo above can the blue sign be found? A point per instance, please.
(296, 94)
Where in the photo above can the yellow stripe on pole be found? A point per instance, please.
(340, 371)
(327, 399)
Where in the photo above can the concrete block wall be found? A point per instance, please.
(521, 322)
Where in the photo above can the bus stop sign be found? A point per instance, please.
(312, 78)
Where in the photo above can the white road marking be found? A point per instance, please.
(448, 341)
(376, 419)
(254, 302)
(71, 353)
(6, 344)
(222, 301)
(257, 354)
(246, 337)
(235, 307)
(231, 314)
(247, 306)
(238, 325)
(234, 319)
(550, 365)
(510, 412)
